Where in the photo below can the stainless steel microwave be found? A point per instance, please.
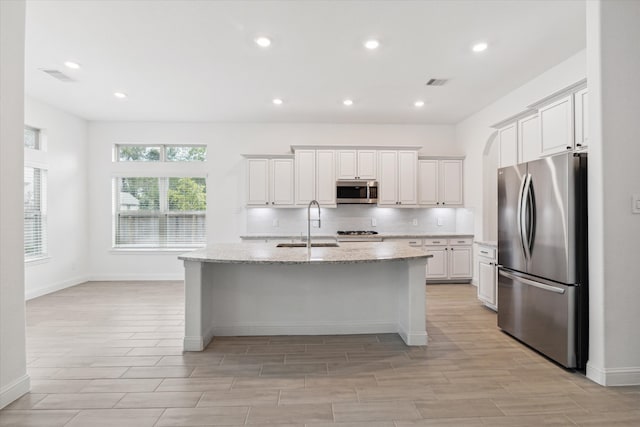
(357, 192)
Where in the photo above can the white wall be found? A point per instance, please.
(14, 381)
(614, 175)
(226, 215)
(66, 157)
(473, 133)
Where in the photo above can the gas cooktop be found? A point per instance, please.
(357, 233)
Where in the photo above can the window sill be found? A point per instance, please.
(151, 251)
(37, 261)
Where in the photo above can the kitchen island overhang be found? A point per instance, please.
(240, 289)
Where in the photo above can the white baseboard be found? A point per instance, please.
(14, 390)
(614, 376)
(134, 277)
(324, 328)
(420, 338)
(34, 293)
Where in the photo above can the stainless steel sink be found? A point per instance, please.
(304, 245)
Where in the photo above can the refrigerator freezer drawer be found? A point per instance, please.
(539, 313)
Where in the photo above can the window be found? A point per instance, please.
(159, 212)
(35, 217)
(31, 138)
(161, 153)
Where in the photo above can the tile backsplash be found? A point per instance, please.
(361, 217)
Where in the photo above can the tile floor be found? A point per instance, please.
(109, 354)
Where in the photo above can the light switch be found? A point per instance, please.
(439, 222)
(373, 222)
(635, 207)
(415, 221)
(275, 223)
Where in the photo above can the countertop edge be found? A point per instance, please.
(308, 261)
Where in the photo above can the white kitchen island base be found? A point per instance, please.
(304, 298)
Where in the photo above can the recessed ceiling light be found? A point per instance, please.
(277, 101)
(72, 65)
(120, 95)
(372, 44)
(419, 104)
(348, 102)
(263, 41)
(480, 47)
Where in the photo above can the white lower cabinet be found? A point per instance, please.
(487, 276)
(451, 259)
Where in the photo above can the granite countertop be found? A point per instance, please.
(334, 236)
(268, 253)
(491, 243)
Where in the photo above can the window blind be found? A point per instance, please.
(35, 214)
(159, 212)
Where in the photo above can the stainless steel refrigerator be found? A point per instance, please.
(542, 256)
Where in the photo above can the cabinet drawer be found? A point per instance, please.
(487, 252)
(460, 242)
(436, 242)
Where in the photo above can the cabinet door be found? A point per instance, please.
(487, 282)
(460, 262)
(305, 183)
(326, 177)
(582, 118)
(347, 161)
(258, 182)
(366, 165)
(556, 126)
(508, 138)
(529, 135)
(428, 182)
(282, 182)
(437, 265)
(388, 179)
(407, 178)
(450, 181)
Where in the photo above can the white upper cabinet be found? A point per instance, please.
(407, 177)
(326, 177)
(305, 176)
(282, 182)
(428, 182)
(582, 118)
(397, 184)
(270, 182)
(315, 177)
(529, 138)
(258, 182)
(508, 141)
(388, 178)
(440, 182)
(356, 164)
(556, 126)
(450, 185)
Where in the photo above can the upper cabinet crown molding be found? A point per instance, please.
(512, 119)
(441, 157)
(268, 156)
(356, 147)
(579, 85)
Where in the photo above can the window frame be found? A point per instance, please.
(41, 212)
(163, 213)
(163, 153)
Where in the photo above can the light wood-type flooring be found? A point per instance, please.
(109, 354)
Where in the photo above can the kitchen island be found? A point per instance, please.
(260, 289)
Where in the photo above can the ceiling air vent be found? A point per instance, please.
(57, 74)
(437, 82)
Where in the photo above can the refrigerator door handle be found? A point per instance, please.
(530, 215)
(519, 215)
(532, 283)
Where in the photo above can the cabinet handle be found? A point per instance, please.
(579, 145)
(460, 241)
(399, 203)
(451, 249)
(443, 203)
(273, 203)
(484, 252)
(266, 203)
(437, 203)
(435, 242)
(569, 147)
(446, 249)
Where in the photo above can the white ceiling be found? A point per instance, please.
(196, 60)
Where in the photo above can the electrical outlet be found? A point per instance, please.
(374, 223)
(275, 223)
(415, 221)
(439, 222)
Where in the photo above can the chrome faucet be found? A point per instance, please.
(309, 220)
